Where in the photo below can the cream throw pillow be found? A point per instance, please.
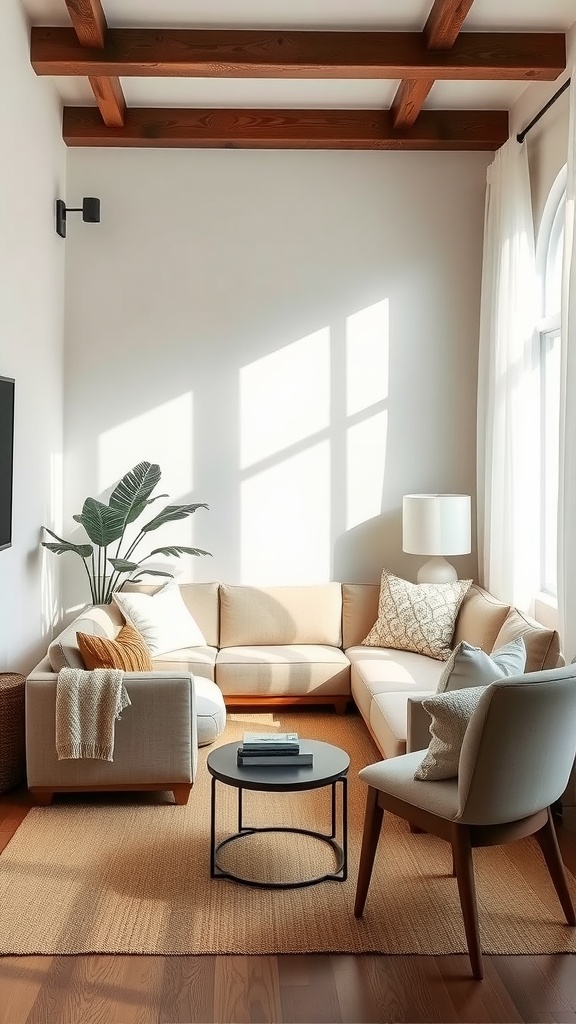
(162, 619)
(470, 666)
(451, 712)
(417, 617)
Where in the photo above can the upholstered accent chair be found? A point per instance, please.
(515, 761)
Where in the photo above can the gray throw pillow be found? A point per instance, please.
(470, 666)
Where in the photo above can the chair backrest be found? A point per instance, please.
(519, 747)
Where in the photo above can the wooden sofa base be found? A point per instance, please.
(42, 795)
(240, 700)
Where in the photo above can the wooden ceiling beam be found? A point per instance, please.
(89, 22)
(207, 53)
(445, 22)
(440, 33)
(155, 127)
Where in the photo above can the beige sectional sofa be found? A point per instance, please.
(294, 645)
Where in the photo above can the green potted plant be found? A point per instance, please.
(106, 526)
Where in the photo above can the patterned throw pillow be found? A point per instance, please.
(417, 617)
(128, 651)
(450, 713)
(470, 666)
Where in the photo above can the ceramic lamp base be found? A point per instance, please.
(437, 570)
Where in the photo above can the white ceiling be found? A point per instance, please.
(392, 15)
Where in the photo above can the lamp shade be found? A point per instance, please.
(436, 524)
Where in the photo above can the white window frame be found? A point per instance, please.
(548, 340)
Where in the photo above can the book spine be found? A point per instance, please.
(279, 759)
(257, 752)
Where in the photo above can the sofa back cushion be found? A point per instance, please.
(201, 600)
(480, 620)
(280, 615)
(542, 645)
(103, 621)
(359, 611)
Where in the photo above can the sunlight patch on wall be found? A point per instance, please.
(50, 574)
(162, 435)
(284, 397)
(285, 521)
(367, 356)
(366, 461)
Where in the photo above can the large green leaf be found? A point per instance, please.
(103, 524)
(84, 550)
(131, 493)
(123, 564)
(150, 572)
(170, 514)
(178, 549)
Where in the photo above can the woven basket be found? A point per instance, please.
(12, 734)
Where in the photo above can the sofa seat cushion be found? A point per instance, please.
(387, 719)
(382, 670)
(200, 661)
(397, 778)
(283, 670)
(210, 710)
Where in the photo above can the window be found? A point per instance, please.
(549, 258)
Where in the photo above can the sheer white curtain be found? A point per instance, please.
(567, 468)
(508, 392)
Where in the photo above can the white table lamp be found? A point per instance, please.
(436, 525)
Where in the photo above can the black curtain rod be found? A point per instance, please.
(522, 135)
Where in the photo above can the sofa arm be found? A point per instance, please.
(417, 725)
(155, 739)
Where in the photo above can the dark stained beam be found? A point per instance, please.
(155, 127)
(189, 53)
(440, 33)
(444, 23)
(110, 100)
(409, 100)
(89, 21)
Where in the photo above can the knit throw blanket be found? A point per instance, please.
(87, 705)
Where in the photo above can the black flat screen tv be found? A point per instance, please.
(6, 459)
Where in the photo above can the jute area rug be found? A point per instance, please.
(130, 874)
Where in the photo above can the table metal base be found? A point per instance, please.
(340, 874)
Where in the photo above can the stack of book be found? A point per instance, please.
(260, 750)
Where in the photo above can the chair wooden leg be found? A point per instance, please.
(548, 842)
(462, 854)
(372, 825)
(181, 793)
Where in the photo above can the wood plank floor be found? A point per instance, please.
(281, 989)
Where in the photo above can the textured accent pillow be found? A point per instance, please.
(470, 666)
(128, 651)
(417, 617)
(161, 618)
(450, 714)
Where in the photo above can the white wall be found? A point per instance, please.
(292, 336)
(32, 175)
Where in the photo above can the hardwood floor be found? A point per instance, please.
(281, 989)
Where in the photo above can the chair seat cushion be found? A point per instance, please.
(396, 777)
(210, 710)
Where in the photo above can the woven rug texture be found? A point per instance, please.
(130, 874)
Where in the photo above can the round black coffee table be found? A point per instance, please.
(330, 768)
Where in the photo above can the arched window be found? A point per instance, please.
(549, 253)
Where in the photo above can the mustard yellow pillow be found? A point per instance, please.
(128, 651)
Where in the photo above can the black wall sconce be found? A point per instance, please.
(90, 211)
